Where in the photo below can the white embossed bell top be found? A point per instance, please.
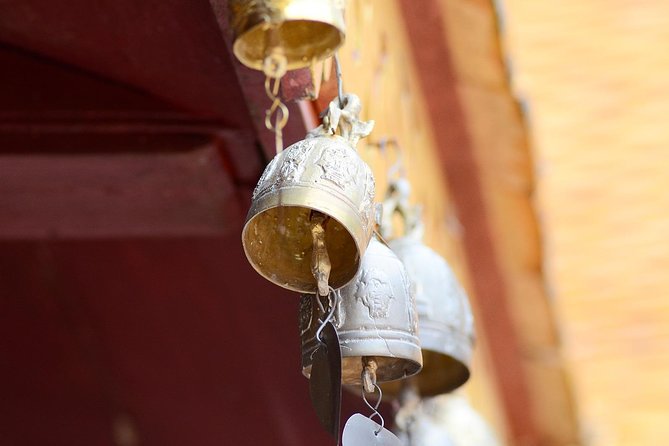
(375, 317)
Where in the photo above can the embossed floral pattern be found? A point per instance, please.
(337, 166)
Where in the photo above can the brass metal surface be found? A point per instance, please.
(320, 259)
(322, 173)
(304, 31)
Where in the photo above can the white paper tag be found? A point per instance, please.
(360, 431)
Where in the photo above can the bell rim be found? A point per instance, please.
(442, 339)
(415, 370)
(356, 230)
(240, 43)
(405, 350)
(392, 389)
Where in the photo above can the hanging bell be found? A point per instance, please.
(303, 31)
(319, 178)
(412, 426)
(375, 318)
(444, 420)
(446, 324)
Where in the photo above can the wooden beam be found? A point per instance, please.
(123, 195)
(438, 78)
(172, 49)
(49, 107)
(480, 127)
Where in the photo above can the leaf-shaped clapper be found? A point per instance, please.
(362, 431)
(325, 382)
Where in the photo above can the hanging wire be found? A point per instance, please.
(333, 306)
(375, 408)
(340, 83)
(397, 168)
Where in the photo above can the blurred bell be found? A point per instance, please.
(375, 317)
(321, 176)
(303, 31)
(446, 326)
(443, 420)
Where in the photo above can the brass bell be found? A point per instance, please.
(446, 324)
(375, 317)
(302, 31)
(321, 177)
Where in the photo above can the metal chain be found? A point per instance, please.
(274, 67)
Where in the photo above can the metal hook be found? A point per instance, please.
(398, 166)
(375, 407)
(340, 84)
(335, 302)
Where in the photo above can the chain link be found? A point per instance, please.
(274, 67)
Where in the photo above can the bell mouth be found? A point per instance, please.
(440, 374)
(395, 358)
(279, 245)
(301, 41)
(389, 369)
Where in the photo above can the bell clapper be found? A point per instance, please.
(320, 260)
(369, 367)
(409, 393)
(408, 402)
(274, 67)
